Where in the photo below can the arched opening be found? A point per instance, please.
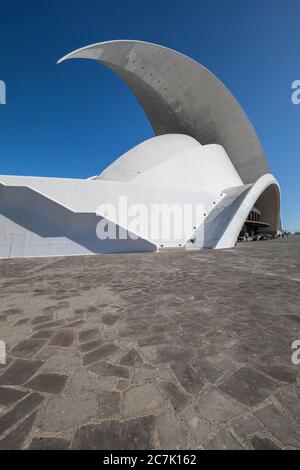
(268, 204)
(264, 215)
(234, 209)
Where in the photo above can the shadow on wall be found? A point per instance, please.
(34, 213)
(219, 218)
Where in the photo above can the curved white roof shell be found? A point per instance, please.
(180, 96)
(175, 161)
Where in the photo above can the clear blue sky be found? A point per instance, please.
(72, 119)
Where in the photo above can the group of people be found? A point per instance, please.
(254, 236)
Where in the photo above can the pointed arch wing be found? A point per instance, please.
(179, 95)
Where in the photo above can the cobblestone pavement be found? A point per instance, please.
(171, 350)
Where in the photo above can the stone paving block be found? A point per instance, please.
(222, 362)
(27, 348)
(178, 399)
(248, 351)
(46, 353)
(49, 443)
(79, 311)
(283, 428)
(110, 319)
(263, 443)
(90, 345)
(15, 439)
(171, 431)
(105, 369)
(280, 373)
(132, 358)
(13, 311)
(122, 384)
(245, 425)
(142, 399)
(290, 402)
(207, 371)
(49, 309)
(50, 325)
(227, 340)
(63, 412)
(75, 323)
(138, 434)
(64, 361)
(198, 427)
(152, 340)
(189, 378)
(223, 440)
(21, 322)
(19, 372)
(108, 404)
(134, 332)
(151, 373)
(100, 353)
(216, 407)
(84, 380)
(62, 338)
(46, 334)
(248, 386)
(50, 383)
(22, 408)
(294, 318)
(88, 334)
(42, 319)
(173, 354)
(8, 396)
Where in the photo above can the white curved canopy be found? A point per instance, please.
(180, 96)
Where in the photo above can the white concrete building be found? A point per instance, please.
(205, 162)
